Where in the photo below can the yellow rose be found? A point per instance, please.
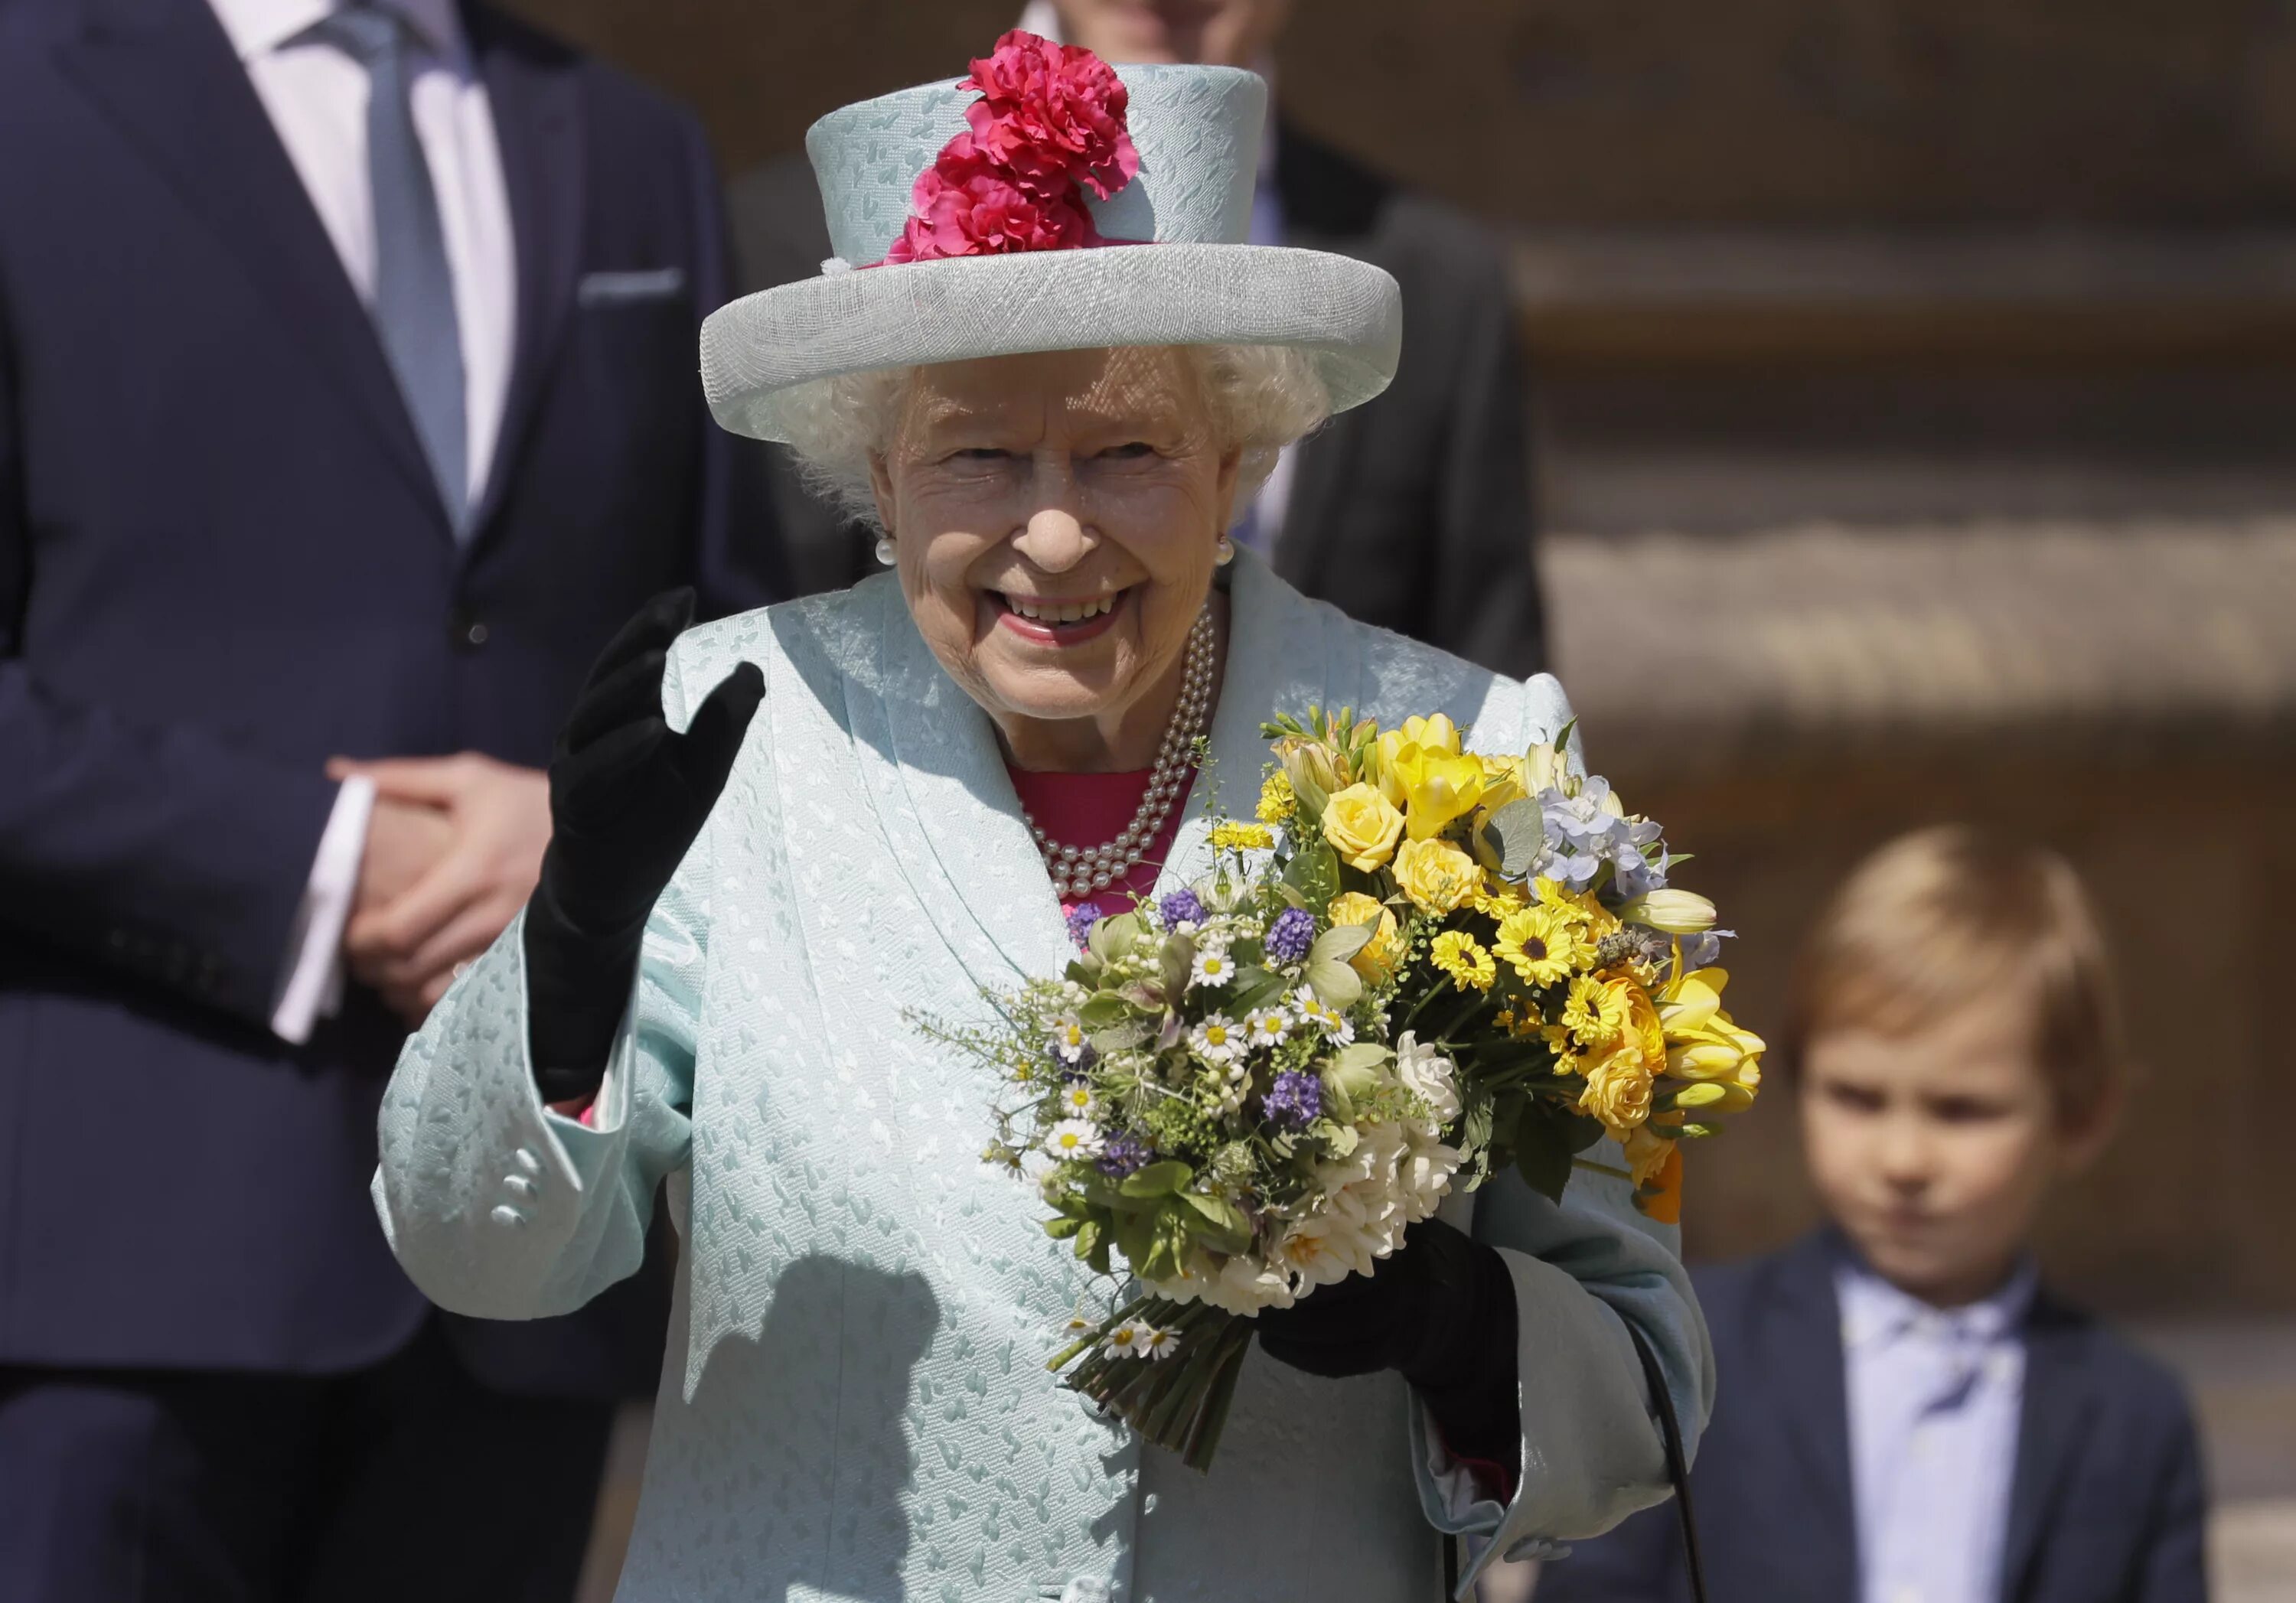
(1363, 827)
(1436, 875)
(1617, 1090)
(1376, 958)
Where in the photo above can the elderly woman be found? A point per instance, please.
(782, 837)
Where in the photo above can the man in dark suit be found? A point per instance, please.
(1413, 512)
(2105, 1502)
(346, 408)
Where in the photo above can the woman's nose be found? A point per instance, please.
(1054, 538)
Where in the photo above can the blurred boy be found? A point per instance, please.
(1906, 1416)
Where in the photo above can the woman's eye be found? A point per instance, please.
(1130, 451)
(980, 453)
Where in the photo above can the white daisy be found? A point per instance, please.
(1124, 1341)
(1333, 1023)
(1213, 967)
(1068, 1037)
(1219, 1039)
(1076, 1101)
(1072, 1139)
(1268, 1026)
(1153, 1343)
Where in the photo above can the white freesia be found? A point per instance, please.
(1429, 1075)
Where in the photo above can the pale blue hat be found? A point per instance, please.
(1197, 130)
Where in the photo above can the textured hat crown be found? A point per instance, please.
(1197, 130)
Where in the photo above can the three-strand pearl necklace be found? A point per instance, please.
(1080, 871)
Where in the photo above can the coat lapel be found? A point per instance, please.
(952, 816)
(1809, 1393)
(1278, 660)
(165, 75)
(2051, 1431)
(531, 93)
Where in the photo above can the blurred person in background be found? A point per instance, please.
(1908, 1415)
(1414, 512)
(347, 404)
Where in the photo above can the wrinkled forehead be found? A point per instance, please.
(1057, 392)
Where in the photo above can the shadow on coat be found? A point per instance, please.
(815, 1406)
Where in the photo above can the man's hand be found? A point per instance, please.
(407, 942)
(404, 842)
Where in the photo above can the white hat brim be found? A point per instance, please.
(757, 350)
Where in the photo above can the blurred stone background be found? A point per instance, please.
(1915, 389)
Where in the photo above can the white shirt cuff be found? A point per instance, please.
(311, 979)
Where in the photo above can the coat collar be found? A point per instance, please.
(2058, 1409)
(532, 91)
(952, 819)
(1801, 1350)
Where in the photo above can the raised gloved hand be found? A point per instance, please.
(627, 797)
(1439, 1310)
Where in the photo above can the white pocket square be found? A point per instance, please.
(619, 289)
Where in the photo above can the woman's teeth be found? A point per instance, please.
(1061, 612)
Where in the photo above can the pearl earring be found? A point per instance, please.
(1223, 553)
(886, 549)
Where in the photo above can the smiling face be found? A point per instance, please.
(1057, 518)
(1935, 1150)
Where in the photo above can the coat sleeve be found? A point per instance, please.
(158, 850)
(1585, 1269)
(497, 1206)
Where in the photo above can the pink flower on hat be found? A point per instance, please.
(1049, 126)
(966, 205)
(1055, 114)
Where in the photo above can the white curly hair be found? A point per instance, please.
(1262, 398)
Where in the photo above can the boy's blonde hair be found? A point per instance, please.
(1945, 914)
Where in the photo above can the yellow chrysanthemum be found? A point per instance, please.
(1596, 1012)
(1543, 946)
(1278, 801)
(1582, 908)
(1465, 960)
(1500, 898)
(1567, 1060)
(1240, 838)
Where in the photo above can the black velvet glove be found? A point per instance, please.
(1439, 1310)
(628, 798)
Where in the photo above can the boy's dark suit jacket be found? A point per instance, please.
(2107, 1505)
(222, 561)
(1412, 511)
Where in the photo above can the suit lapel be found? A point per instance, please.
(531, 93)
(1809, 1394)
(2051, 1430)
(165, 75)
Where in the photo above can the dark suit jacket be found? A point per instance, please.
(222, 559)
(1412, 511)
(2106, 1505)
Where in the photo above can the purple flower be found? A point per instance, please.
(1296, 1099)
(1291, 936)
(1181, 909)
(1120, 1155)
(1081, 918)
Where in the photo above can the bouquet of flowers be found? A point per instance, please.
(1415, 967)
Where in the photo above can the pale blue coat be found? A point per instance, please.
(854, 1404)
